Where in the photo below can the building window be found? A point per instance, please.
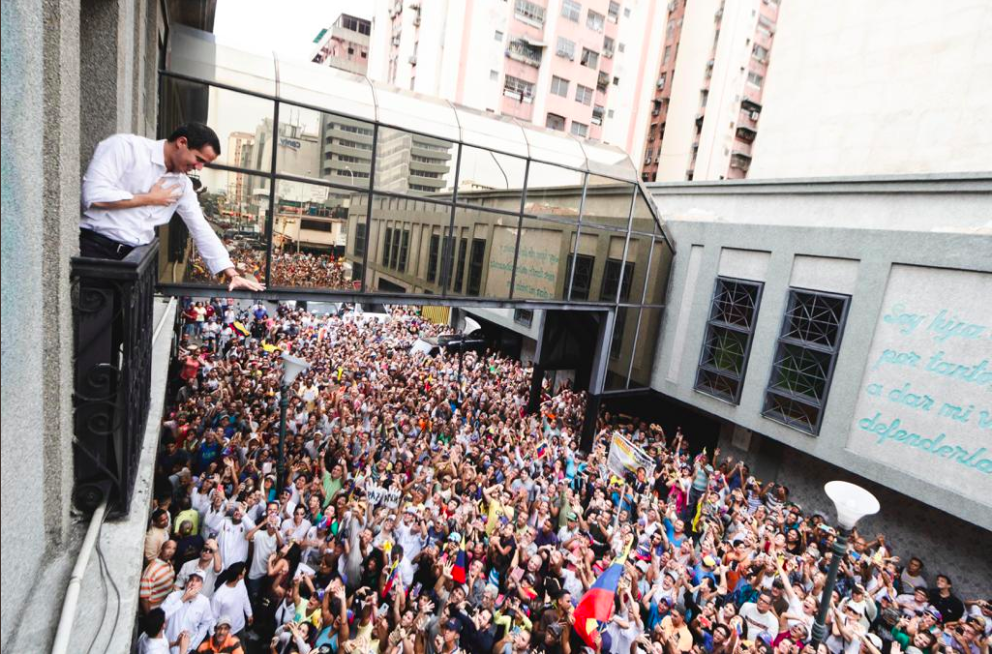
(608, 45)
(460, 270)
(316, 225)
(494, 76)
(521, 50)
(590, 58)
(729, 332)
(621, 47)
(582, 280)
(667, 55)
(559, 86)
(475, 263)
(433, 251)
(611, 277)
(661, 80)
(523, 317)
(357, 270)
(404, 249)
(529, 12)
(603, 81)
(580, 129)
(571, 10)
(595, 21)
(614, 11)
(360, 235)
(499, 36)
(565, 48)
(759, 53)
(583, 94)
(515, 87)
(394, 254)
(386, 244)
(804, 359)
(555, 122)
(597, 114)
(756, 79)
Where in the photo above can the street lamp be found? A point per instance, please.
(852, 503)
(291, 369)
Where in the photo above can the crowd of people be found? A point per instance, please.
(422, 509)
(290, 269)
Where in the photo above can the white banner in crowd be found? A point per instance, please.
(626, 457)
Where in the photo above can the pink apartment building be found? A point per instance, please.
(708, 97)
(553, 63)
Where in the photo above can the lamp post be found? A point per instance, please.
(852, 503)
(291, 369)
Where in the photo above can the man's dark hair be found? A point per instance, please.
(154, 622)
(197, 135)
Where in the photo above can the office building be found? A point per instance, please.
(344, 45)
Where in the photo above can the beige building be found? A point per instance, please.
(868, 88)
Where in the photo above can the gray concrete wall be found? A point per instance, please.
(929, 222)
(65, 86)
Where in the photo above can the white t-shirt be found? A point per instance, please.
(757, 622)
(265, 545)
(232, 543)
(148, 645)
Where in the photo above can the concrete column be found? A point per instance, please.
(536, 383)
(593, 403)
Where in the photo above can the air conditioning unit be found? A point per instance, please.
(413, 60)
(416, 21)
(755, 115)
(671, 6)
(396, 40)
(392, 13)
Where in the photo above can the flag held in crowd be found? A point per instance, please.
(461, 565)
(626, 457)
(596, 607)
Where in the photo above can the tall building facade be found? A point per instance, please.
(239, 146)
(344, 45)
(708, 92)
(560, 64)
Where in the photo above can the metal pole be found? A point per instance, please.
(839, 549)
(281, 469)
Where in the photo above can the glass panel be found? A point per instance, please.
(661, 267)
(494, 235)
(494, 132)
(799, 415)
(417, 112)
(609, 161)
(405, 244)
(638, 250)
(310, 237)
(621, 348)
(414, 165)
(200, 55)
(552, 146)
(595, 247)
(726, 350)
(553, 191)
(643, 219)
(543, 260)
(490, 179)
(240, 224)
(243, 124)
(323, 87)
(324, 146)
(607, 202)
(801, 371)
(647, 343)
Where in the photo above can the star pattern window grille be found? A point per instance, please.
(805, 358)
(729, 332)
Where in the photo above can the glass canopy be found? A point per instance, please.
(331, 185)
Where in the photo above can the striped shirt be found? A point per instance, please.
(156, 582)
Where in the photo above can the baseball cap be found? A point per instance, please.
(196, 573)
(709, 562)
(453, 625)
(455, 537)
(224, 619)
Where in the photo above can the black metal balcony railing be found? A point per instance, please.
(112, 316)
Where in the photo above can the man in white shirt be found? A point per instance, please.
(188, 611)
(134, 184)
(231, 539)
(207, 565)
(153, 640)
(759, 616)
(267, 539)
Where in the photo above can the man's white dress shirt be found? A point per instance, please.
(126, 165)
(194, 616)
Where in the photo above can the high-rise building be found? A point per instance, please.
(344, 45)
(553, 63)
(708, 97)
(238, 145)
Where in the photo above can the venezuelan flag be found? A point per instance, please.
(542, 450)
(458, 572)
(596, 607)
(241, 328)
(388, 586)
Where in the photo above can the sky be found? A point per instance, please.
(286, 27)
